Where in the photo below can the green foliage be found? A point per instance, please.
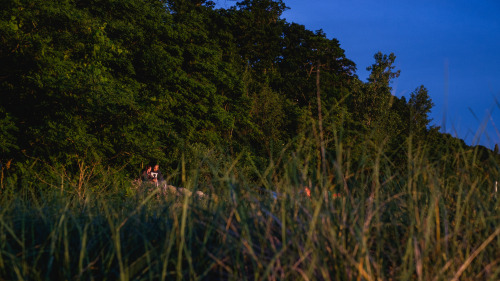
(420, 107)
(374, 99)
(123, 83)
(7, 129)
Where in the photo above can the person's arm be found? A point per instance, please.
(160, 176)
(144, 176)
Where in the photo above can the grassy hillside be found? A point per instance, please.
(439, 221)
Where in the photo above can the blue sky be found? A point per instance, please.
(452, 47)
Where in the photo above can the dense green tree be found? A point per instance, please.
(375, 100)
(295, 64)
(258, 31)
(120, 83)
(420, 106)
(69, 84)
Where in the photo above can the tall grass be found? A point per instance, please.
(438, 220)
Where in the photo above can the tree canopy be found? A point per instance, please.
(124, 82)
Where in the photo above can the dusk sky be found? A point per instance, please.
(452, 47)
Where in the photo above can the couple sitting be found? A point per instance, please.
(152, 174)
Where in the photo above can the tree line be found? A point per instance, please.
(124, 82)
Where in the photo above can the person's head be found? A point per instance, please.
(156, 167)
(148, 168)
